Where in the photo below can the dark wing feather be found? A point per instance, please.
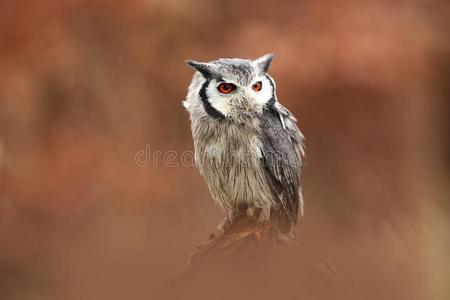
(282, 151)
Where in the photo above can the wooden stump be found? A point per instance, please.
(241, 248)
(244, 239)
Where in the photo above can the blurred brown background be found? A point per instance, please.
(85, 85)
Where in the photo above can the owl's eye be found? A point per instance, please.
(257, 86)
(226, 88)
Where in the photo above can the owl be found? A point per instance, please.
(248, 147)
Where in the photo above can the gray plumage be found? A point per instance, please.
(247, 145)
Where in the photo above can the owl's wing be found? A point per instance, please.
(282, 152)
(290, 124)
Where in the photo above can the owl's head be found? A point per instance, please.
(230, 88)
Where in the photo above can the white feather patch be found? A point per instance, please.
(263, 96)
(282, 121)
(219, 102)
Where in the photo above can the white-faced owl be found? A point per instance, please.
(247, 145)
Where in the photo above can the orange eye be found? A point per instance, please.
(226, 88)
(257, 86)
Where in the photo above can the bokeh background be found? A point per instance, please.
(86, 85)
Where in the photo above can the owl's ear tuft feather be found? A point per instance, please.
(205, 69)
(264, 62)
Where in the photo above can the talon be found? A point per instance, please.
(264, 215)
(225, 225)
(250, 212)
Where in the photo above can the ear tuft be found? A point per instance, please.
(204, 68)
(264, 62)
(191, 63)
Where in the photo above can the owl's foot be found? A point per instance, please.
(225, 225)
(264, 215)
(260, 214)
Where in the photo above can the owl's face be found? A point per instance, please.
(230, 88)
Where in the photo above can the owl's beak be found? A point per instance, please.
(246, 103)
